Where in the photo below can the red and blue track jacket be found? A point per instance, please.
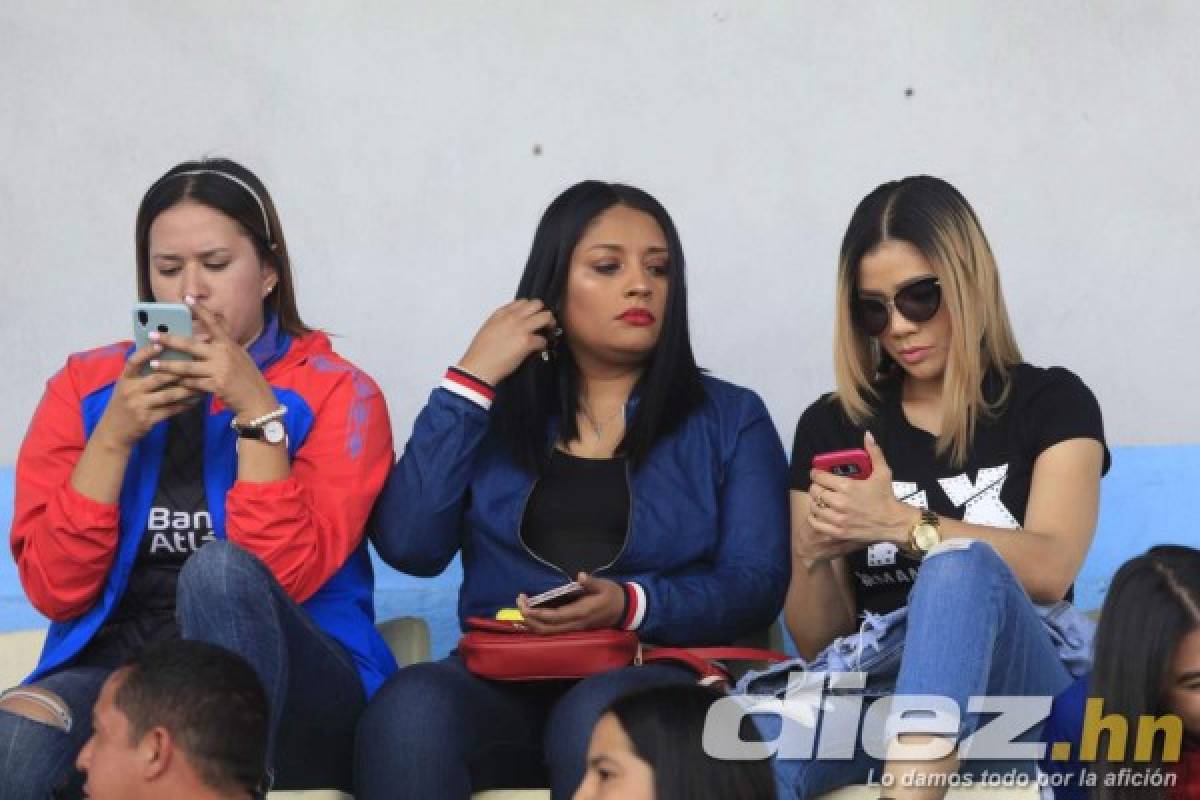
(74, 554)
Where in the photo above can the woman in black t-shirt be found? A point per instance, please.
(982, 499)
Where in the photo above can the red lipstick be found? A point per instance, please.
(639, 317)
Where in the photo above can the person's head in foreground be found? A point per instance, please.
(1147, 652)
(648, 746)
(184, 719)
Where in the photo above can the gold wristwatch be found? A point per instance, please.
(924, 534)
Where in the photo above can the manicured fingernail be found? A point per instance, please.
(870, 437)
(191, 301)
(154, 364)
(153, 336)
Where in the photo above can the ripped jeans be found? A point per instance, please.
(969, 630)
(226, 597)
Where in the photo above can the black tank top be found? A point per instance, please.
(578, 513)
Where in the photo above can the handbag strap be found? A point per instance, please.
(702, 660)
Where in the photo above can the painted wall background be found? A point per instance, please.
(411, 147)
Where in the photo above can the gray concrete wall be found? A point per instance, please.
(412, 146)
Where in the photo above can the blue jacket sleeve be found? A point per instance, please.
(417, 523)
(743, 589)
(1065, 724)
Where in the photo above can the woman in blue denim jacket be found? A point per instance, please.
(959, 544)
(575, 440)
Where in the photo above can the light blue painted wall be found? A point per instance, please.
(1145, 501)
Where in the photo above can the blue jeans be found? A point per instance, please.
(436, 730)
(227, 597)
(969, 630)
(36, 758)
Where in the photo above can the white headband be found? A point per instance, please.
(239, 182)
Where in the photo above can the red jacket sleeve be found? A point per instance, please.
(306, 526)
(63, 542)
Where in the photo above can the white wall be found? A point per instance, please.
(398, 140)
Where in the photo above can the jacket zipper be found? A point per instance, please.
(521, 535)
(629, 517)
(628, 522)
(624, 543)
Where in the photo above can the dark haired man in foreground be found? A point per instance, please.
(185, 719)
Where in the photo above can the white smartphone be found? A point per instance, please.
(172, 318)
(558, 596)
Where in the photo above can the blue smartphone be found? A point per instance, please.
(172, 318)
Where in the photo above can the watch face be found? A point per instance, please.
(273, 432)
(926, 536)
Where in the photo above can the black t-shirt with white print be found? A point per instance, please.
(179, 524)
(1044, 407)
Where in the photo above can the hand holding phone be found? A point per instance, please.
(143, 397)
(169, 318)
(854, 463)
(558, 596)
(587, 603)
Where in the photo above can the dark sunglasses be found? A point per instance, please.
(918, 302)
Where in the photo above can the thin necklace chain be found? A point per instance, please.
(598, 427)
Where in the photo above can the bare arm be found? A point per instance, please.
(1060, 520)
(820, 602)
(1060, 516)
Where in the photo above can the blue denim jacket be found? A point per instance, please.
(708, 538)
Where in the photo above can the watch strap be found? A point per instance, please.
(254, 428)
(927, 519)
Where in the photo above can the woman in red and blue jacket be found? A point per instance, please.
(219, 497)
(607, 458)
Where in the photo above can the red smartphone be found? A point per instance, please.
(854, 463)
(558, 596)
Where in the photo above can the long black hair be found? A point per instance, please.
(670, 387)
(1153, 603)
(666, 726)
(226, 186)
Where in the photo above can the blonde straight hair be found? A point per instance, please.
(932, 216)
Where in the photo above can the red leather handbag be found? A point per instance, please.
(507, 651)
